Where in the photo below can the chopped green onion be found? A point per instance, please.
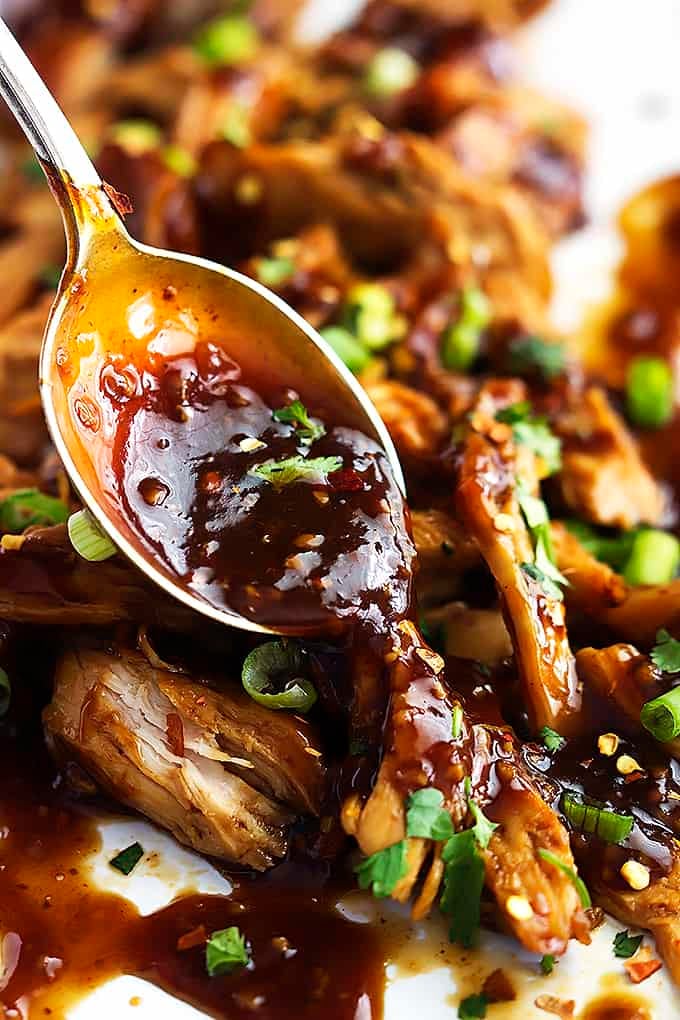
(578, 883)
(370, 315)
(180, 161)
(531, 355)
(596, 820)
(229, 39)
(460, 342)
(88, 539)
(5, 692)
(280, 473)
(456, 722)
(649, 392)
(626, 945)
(347, 348)
(136, 137)
(612, 547)
(390, 71)
(661, 716)
(653, 558)
(26, 508)
(272, 272)
(226, 951)
(666, 653)
(547, 964)
(271, 675)
(128, 858)
(236, 125)
(473, 1007)
(297, 414)
(382, 870)
(426, 815)
(552, 740)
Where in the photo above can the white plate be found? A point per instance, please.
(617, 61)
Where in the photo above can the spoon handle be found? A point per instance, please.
(67, 166)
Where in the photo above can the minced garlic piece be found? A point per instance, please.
(627, 765)
(608, 744)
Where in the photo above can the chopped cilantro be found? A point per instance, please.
(280, 473)
(483, 829)
(536, 516)
(308, 430)
(577, 882)
(426, 815)
(626, 945)
(462, 886)
(383, 869)
(473, 1008)
(666, 653)
(547, 963)
(225, 951)
(552, 740)
(531, 355)
(534, 433)
(128, 858)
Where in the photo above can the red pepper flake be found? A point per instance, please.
(175, 734)
(560, 1007)
(642, 965)
(633, 777)
(345, 480)
(193, 938)
(121, 203)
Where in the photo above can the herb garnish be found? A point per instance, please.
(543, 568)
(577, 882)
(426, 815)
(626, 945)
(280, 473)
(666, 653)
(272, 272)
(483, 829)
(27, 507)
(308, 430)
(552, 740)
(462, 887)
(533, 432)
(531, 355)
(128, 858)
(473, 1007)
(382, 870)
(225, 951)
(456, 721)
(547, 963)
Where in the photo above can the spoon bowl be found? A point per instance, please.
(123, 307)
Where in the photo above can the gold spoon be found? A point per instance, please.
(118, 297)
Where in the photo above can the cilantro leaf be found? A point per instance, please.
(483, 829)
(666, 653)
(577, 882)
(473, 1007)
(225, 951)
(552, 740)
(626, 945)
(297, 414)
(531, 355)
(280, 473)
(128, 858)
(533, 432)
(462, 887)
(383, 869)
(426, 815)
(544, 571)
(547, 963)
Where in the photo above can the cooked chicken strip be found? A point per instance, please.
(487, 503)
(171, 749)
(593, 585)
(445, 552)
(603, 477)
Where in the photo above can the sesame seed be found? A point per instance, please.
(635, 874)
(519, 908)
(608, 744)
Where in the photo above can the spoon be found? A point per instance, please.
(114, 295)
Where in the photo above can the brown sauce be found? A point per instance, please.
(619, 1006)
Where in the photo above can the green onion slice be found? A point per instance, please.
(29, 507)
(229, 39)
(595, 819)
(649, 392)
(461, 340)
(271, 675)
(347, 348)
(370, 315)
(661, 716)
(653, 558)
(577, 882)
(391, 70)
(88, 539)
